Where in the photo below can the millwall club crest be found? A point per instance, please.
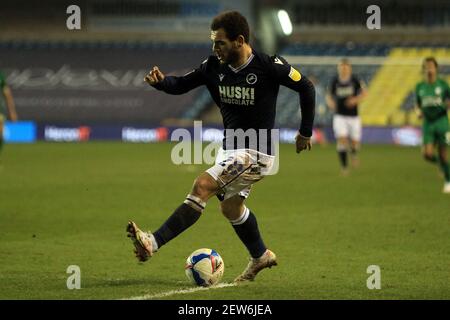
(221, 76)
(251, 78)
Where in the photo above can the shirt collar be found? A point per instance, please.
(236, 70)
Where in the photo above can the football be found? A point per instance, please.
(204, 267)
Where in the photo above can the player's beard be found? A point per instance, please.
(233, 57)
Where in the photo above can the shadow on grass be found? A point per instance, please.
(138, 282)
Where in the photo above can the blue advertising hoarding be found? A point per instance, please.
(19, 132)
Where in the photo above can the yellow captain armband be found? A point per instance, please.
(294, 75)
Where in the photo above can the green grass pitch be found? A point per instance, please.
(68, 204)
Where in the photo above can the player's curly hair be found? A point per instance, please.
(233, 23)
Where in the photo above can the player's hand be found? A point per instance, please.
(332, 105)
(419, 113)
(302, 143)
(154, 76)
(14, 117)
(351, 102)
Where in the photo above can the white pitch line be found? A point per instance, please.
(182, 291)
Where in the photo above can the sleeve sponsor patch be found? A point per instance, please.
(294, 75)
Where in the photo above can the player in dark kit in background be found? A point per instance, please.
(244, 84)
(344, 94)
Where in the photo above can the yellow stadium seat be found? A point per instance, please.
(393, 83)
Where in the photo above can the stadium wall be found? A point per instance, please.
(101, 82)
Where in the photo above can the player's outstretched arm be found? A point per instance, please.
(175, 85)
(447, 97)
(290, 77)
(418, 105)
(352, 102)
(307, 93)
(418, 111)
(331, 103)
(10, 103)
